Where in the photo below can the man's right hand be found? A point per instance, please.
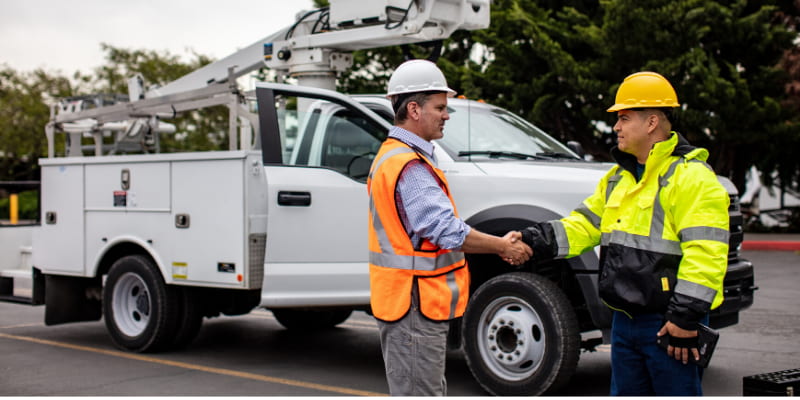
(515, 251)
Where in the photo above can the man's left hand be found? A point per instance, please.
(679, 353)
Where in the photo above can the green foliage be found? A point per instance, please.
(559, 64)
(157, 68)
(722, 58)
(543, 62)
(25, 98)
(23, 116)
(28, 203)
(200, 130)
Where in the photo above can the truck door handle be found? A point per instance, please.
(297, 199)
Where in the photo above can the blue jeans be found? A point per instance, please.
(639, 367)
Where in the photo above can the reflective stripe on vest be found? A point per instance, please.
(654, 241)
(612, 182)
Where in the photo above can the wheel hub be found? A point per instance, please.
(512, 338)
(143, 303)
(506, 342)
(507, 338)
(131, 305)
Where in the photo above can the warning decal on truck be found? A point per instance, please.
(120, 198)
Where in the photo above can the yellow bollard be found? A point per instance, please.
(13, 206)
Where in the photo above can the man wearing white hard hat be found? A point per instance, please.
(419, 279)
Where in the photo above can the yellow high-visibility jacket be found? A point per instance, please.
(664, 238)
(394, 262)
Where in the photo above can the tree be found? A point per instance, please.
(205, 129)
(723, 59)
(785, 146)
(559, 63)
(542, 60)
(23, 115)
(25, 100)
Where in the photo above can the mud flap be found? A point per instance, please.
(70, 299)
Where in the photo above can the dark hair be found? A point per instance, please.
(667, 111)
(400, 103)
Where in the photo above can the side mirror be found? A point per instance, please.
(576, 147)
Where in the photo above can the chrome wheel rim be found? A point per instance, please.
(131, 304)
(511, 338)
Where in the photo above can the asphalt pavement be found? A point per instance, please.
(252, 355)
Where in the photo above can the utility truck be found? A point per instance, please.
(155, 242)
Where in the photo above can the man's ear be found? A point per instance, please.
(652, 122)
(413, 110)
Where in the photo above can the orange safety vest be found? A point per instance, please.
(394, 263)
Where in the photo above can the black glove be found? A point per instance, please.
(541, 238)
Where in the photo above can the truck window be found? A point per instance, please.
(318, 133)
(350, 145)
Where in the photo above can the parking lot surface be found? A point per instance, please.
(253, 355)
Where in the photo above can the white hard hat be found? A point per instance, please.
(418, 76)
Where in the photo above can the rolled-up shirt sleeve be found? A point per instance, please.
(426, 210)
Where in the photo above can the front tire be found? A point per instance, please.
(520, 335)
(140, 310)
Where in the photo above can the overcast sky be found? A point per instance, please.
(65, 36)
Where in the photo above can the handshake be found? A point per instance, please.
(515, 251)
(510, 247)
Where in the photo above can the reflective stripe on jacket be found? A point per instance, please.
(394, 262)
(664, 239)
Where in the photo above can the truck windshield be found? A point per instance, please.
(478, 130)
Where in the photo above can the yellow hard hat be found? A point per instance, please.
(645, 90)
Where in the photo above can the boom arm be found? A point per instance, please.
(243, 61)
(318, 44)
(311, 50)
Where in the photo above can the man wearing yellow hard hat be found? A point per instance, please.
(661, 218)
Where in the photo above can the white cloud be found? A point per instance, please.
(65, 36)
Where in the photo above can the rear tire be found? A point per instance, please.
(310, 319)
(190, 317)
(520, 335)
(140, 310)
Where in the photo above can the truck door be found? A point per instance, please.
(318, 147)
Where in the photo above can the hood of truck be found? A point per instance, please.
(555, 170)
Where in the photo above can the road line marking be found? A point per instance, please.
(21, 325)
(212, 370)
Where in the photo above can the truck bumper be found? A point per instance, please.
(739, 285)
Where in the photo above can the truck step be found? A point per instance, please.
(16, 299)
(16, 286)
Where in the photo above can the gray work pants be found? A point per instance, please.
(414, 350)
